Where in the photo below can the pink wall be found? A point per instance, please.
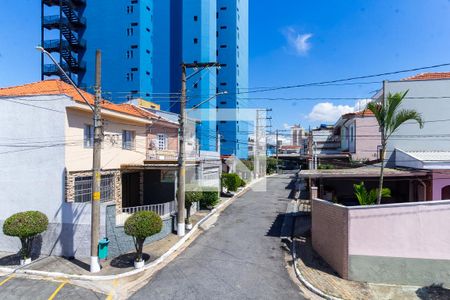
(408, 230)
(441, 178)
(330, 234)
(164, 128)
(368, 138)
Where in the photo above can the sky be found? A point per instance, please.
(292, 42)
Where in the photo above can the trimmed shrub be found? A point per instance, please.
(141, 225)
(231, 181)
(209, 198)
(26, 226)
(271, 165)
(190, 198)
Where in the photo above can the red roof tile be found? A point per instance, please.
(58, 87)
(430, 76)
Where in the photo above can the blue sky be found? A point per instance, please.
(291, 42)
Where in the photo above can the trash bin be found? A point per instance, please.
(103, 248)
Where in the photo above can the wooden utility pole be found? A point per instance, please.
(96, 166)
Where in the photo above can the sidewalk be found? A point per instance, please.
(322, 277)
(78, 269)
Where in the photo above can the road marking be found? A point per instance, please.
(9, 278)
(57, 290)
(113, 291)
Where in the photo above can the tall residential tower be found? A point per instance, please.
(143, 44)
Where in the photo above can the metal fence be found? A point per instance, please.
(163, 210)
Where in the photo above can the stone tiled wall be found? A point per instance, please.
(70, 184)
(330, 234)
(120, 243)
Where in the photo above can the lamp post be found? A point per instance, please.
(96, 161)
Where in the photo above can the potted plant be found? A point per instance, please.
(26, 226)
(190, 199)
(140, 226)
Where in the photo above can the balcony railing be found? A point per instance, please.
(163, 210)
(162, 155)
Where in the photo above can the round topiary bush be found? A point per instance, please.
(26, 226)
(231, 181)
(140, 226)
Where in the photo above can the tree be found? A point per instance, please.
(26, 226)
(140, 226)
(190, 198)
(369, 197)
(389, 119)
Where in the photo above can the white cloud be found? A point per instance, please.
(297, 42)
(328, 112)
(286, 126)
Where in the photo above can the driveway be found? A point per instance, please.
(238, 258)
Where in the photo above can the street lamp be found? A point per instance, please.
(96, 161)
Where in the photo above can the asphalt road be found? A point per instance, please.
(19, 288)
(239, 258)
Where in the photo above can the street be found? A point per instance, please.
(12, 288)
(238, 258)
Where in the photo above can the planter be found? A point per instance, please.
(26, 261)
(189, 226)
(139, 264)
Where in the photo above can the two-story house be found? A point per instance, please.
(359, 135)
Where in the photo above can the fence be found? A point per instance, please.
(163, 210)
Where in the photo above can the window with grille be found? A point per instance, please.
(83, 188)
(88, 136)
(128, 140)
(162, 142)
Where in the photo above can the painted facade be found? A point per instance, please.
(359, 135)
(405, 243)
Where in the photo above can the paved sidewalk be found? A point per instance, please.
(320, 275)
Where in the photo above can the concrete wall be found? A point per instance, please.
(33, 172)
(423, 96)
(79, 158)
(394, 243)
(330, 234)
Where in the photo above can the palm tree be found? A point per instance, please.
(389, 120)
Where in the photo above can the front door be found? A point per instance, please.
(130, 190)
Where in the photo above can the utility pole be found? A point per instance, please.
(182, 149)
(181, 158)
(96, 165)
(276, 149)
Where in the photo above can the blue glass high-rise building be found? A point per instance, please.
(143, 44)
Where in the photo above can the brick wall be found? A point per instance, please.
(330, 234)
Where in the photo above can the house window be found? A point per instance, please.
(223, 27)
(223, 8)
(134, 1)
(130, 76)
(88, 136)
(195, 40)
(195, 18)
(128, 138)
(130, 9)
(130, 31)
(134, 46)
(223, 46)
(162, 141)
(130, 53)
(83, 188)
(134, 24)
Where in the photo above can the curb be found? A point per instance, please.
(304, 281)
(151, 265)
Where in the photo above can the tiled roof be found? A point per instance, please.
(430, 76)
(58, 87)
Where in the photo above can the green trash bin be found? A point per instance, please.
(103, 248)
